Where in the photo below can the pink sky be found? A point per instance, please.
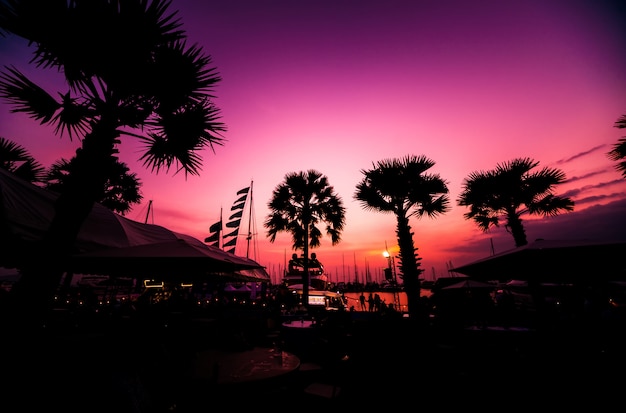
(338, 85)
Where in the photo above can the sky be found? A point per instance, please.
(338, 85)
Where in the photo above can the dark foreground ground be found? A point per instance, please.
(370, 363)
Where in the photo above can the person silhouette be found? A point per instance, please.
(377, 302)
(294, 264)
(362, 301)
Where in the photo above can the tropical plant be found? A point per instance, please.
(17, 160)
(510, 191)
(618, 153)
(129, 73)
(119, 193)
(298, 205)
(404, 188)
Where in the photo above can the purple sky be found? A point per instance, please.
(338, 85)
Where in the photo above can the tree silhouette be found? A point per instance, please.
(510, 191)
(130, 74)
(119, 193)
(17, 160)
(403, 187)
(298, 205)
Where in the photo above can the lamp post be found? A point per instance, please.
(390, 276)
(388, 270)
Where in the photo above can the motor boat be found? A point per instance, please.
(320, 290)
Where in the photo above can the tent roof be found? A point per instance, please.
(29, 209)
(553, 260)
(178, 258)
(108, 243)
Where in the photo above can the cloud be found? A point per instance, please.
(576, 192)
(580, 155)
(586, 176)
(599, 222)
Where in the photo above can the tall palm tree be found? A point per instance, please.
(404, 188)
(119, 193)
(129, 73)
(17, 160)
(618, 153)
(510, 191)
(301, 202)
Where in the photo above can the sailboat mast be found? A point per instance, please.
(148, 212)
(356, 271)
(220, 234)
(250, 214)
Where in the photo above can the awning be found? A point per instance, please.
(553, 261)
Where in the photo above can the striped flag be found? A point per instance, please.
(216, 227)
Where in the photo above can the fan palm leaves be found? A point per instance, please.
(129, 74)
(510, 191)
(404, 187)
(17, 160)
(301, 203)
(119, 193)
(618, 152)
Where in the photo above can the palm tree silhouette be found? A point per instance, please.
(402, 187)
(510, 191)
(298, 204)
(129, 73)
(119, 193)
(17, 160)
(618, 152)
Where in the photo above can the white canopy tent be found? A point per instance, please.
(108, 243)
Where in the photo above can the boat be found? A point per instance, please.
(295, 272)
(321, 295)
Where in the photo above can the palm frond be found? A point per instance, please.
(16, 159)
(25, 96)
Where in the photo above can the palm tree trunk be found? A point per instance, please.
(305, 275)
(514, 222)
(33, 294)
(409, 266)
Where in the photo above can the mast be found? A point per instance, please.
(148, 212)
(220, 233)
(251, 224)
(356, 271)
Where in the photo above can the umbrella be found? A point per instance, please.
(553, 261)
(468, 284)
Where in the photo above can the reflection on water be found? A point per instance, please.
(386, 297)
